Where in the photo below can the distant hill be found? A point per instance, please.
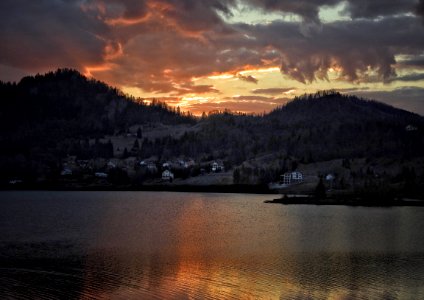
(45, 109)
(46, 118)
(314, 128)
(329, 124)
(70, 99)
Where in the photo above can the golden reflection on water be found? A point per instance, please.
(206, 246)
(197, 255)
(107, 278)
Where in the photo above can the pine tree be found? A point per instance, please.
(136, 145)
(320, 190)
(125, 154)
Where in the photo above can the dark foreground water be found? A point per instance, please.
(152, 245)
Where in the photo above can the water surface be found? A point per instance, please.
(160, 245)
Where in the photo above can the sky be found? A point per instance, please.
(244, 55)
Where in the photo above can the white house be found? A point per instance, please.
(292, 178)
(151, 166)
(297, 176)
(329, 177)
(217, 167)
(410, 128)
(111, 164)
(167, 175)
(100, 175)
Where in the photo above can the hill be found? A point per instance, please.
(54, 121)
(44, 117)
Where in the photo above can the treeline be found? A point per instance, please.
(45, 118)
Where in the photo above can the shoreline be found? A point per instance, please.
(236, 188)
(348, 201)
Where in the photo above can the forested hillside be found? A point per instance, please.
(45, 119)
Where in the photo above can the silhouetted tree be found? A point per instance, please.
(125, 154)
(320, 190)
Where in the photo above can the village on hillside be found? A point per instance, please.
(126, 167)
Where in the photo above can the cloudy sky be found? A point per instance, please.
(244, 55)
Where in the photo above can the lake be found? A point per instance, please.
(163, 245)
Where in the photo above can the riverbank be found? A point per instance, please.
(351, 200)
(233, 188)
(348, 199)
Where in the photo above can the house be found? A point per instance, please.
(297, 176)
(151, 167)
(186, 163)
(15, 181)
(217, 167)
(410, 128)
(100, 175)
(291, 178)
(83, 163)
(190, 163)
(167, 175)
(66, 172)
(111, 164)
(329, 177)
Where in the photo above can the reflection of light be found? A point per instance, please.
(134, 91)
(124, 21)
(261, 70)
(222, 76)
(191, 99)
(231, 74)
(290, 91)
(100, 68)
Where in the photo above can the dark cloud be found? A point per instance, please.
(272, 91)
(43, 35)
(411, 77)
(309, 10)
(247, 78)
(414, 62)
(376, 8)
(189, 88)
(408, 98)
(355, 47)
(351, 90)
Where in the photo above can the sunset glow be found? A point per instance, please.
(199, 54)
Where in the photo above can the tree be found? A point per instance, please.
(125, 154)
(236, 176)
(320, 190)
(118, 176)
(136, 145)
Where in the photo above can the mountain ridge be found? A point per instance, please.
(46, 118)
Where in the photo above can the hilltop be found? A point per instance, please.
(62, 121)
